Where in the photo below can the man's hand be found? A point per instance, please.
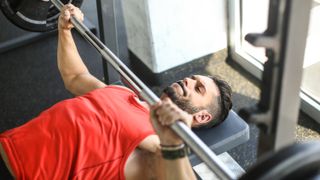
(67, 11)
(163, 115)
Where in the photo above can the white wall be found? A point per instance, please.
(168, 33)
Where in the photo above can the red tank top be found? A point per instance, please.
(87, 137)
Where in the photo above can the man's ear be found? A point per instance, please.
(201, 117)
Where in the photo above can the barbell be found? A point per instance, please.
(41, 15)
(296, 161)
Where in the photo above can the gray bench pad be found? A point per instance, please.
(229, 134)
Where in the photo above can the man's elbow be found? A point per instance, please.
(69, 84)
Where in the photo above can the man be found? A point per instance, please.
(105, 132)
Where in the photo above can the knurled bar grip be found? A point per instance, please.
(191, 139)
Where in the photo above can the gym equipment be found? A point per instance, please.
(33, 15)
(277, 111)
(229, 134)
(193, 142)
(297, 161)
(112, 32)
(39, 14)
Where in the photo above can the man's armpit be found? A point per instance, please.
(5, 159)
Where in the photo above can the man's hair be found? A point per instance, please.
(220, 106)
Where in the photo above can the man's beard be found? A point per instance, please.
(179, 101)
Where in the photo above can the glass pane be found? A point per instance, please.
(311, 65)
(254, 20)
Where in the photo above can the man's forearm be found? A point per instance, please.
(70, 63)
(178, 169)
(74, 73)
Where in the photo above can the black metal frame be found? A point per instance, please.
(113, 34)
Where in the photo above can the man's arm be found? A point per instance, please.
(178, 169)
(163, 115)
(76, 77)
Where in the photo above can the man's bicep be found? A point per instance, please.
(84, 83)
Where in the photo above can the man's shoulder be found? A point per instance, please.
(110, 88)
(121, 88)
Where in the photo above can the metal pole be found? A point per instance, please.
(191, 139)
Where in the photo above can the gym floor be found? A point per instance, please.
(30, 83)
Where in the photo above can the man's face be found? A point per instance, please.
(192, 93)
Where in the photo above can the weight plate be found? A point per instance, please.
(34, 15)
(298, 161)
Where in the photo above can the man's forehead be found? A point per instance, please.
(203, 77)
(210, 83)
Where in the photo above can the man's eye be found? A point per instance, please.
(198, 89)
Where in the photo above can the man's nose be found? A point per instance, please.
(188, 81)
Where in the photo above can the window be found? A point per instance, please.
(251, 16)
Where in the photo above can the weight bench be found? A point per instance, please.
(227, 135)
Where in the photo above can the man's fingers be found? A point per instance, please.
(72, 11)
(156, 106)
(66, 16)
(168, 113)
(69, 5)
(77, 13)
(66, 12)
(163, 110)
(82, 16)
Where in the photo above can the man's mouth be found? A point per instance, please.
(182, 87)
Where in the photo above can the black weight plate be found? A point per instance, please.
(34, 15)
(298, 161)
